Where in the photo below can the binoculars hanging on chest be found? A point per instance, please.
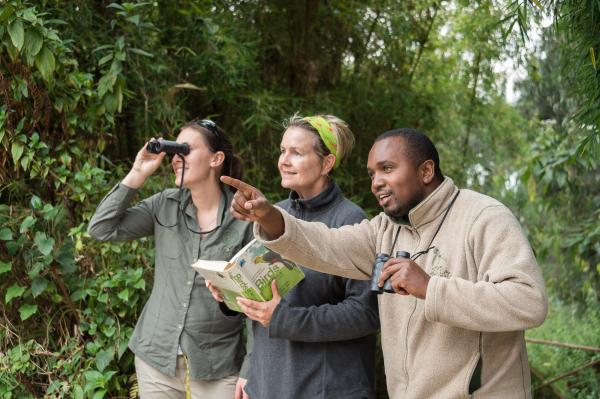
(380, 260)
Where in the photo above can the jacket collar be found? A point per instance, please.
(432, 206)
(331, 193)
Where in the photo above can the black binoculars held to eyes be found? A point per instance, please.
(170, 147)
(378, 267)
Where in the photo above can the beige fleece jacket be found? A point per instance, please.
(485, 290)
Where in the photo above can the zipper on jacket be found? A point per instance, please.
(412, 312)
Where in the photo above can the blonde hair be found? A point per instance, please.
(341, 131)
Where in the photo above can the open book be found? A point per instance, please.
(249, 274)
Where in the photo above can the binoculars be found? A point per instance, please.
(380, 260)
(170, 147)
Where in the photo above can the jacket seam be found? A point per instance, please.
(522, 371)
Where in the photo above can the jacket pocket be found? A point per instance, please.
(475, 382)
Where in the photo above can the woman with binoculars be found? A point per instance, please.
(181, 329)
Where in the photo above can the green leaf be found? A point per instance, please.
(27, 310)
(33, 42)
(38, 286)
(45, 63)
(27, 223)
(36, 202)
(124, 295)
(141, 52)
(5, 234)
(78, 392)
(109, 331)
(6, 13)
(16, 151)
(17, 33)
(5, 267)
(123, 346)
(43, 242)
(99, 394)
(115, 5)
(14, 291)
(103, 359)
(66, 259)
(94, 377)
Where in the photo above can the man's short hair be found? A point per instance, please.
(420, 147)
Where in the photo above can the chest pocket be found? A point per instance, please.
(220, 253)
(168, 243)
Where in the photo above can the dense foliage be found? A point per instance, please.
(84, 84)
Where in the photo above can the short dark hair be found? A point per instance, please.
(420, 147)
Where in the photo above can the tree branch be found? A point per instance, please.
(562, 344)
(567, 374)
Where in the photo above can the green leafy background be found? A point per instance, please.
(85, 83)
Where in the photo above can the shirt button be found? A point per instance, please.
(189, 282)
(180, 326)
(184, 305)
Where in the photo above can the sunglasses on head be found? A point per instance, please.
(211, 127)
(208, 124)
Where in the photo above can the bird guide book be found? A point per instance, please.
(249, 274)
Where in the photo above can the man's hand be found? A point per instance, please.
(406, 276)
(251, 205)
(261, 311)
(239, 389)
(248, 202)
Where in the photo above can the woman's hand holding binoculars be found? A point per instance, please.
(144, 166)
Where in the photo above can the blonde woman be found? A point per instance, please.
(319, 340)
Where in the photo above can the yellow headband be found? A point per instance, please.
(326, 133)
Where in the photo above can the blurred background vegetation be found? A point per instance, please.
(84, 83)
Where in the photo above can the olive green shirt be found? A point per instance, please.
(180, 310)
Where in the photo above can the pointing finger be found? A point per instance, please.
(238, 184)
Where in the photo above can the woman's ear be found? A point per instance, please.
(428, 171)
(328, 164)
(217, 159)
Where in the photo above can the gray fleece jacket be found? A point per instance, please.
(321, 339)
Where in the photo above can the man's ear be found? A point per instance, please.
(328, 164)
(428, 171)
(217, 159)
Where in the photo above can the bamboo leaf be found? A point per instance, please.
(141, 52)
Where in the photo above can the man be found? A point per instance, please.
(455, 326)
